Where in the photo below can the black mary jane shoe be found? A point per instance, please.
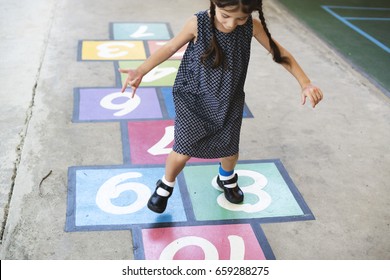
(158, 203)
(233, 195)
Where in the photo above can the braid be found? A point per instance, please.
(277, 57)
(214, 50)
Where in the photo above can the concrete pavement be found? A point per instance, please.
(338, 155)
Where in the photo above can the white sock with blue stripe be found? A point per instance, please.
(226, 175)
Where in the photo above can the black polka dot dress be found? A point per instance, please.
(209, 102)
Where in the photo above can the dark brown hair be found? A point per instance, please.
(247, 6)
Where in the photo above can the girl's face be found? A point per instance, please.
(229, 17)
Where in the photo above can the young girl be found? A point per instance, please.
(208, 91)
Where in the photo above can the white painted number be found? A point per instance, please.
(160, 148)
(178, 54)
(115, 186)
(158, 73)
(237, 247)
(122, 108)
(141, 32)
(264, 199)
(114, 49)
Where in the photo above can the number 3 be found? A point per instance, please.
(113, 50)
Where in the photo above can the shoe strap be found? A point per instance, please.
(230, 181)
(160, 184)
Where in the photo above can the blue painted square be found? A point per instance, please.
(168, 100)
(140, 31)
(116, 198)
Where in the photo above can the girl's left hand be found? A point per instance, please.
(133, 79)
(313, 93)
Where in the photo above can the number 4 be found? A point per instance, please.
(160, 148)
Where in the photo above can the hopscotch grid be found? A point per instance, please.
(187, 203)
(118, 87)
(262, 238)
(126, 152)
(112, 24)
(80, 50)
(294, 190)
(136, 228)
(354, 27)
(139, 248)
(163, 106)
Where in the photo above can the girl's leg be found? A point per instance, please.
(229, 163)
(227, 179)
(173, 166)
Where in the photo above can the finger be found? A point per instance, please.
(124, 87)
(315, 97)
(134, 90)
(124, 71)
(321, 94)
(312, 100)
(318, 95)
(134, 85)
(303, 99)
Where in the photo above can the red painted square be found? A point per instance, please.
(214, 242)
(151, 141)
(155, 45)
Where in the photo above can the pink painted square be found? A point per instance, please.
(155, 45)
(211, 242)
(150, 142)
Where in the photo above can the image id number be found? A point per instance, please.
(229, 270)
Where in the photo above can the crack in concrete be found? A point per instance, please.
(24, 131)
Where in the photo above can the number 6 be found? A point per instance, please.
(113, 187)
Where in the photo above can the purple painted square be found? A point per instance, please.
(106, 104)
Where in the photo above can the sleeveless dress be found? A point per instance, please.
(209, 102)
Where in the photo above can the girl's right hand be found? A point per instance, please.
(133, 79)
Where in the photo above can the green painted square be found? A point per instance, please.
(267, 194)
(162, 75)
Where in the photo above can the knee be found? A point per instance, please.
(179, 158)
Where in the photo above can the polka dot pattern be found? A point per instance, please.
(209, 102)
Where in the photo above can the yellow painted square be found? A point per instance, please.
(112, 50)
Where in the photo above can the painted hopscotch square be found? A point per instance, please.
(112, 197)
(149, 142)
(202, 242)
(160, 76)
(110, 104)
(111, 50)
(270, 195)
(140, 31)
(155, 45)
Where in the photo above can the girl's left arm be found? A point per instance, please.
(308, 89)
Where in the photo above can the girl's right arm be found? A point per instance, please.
(188, 33)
